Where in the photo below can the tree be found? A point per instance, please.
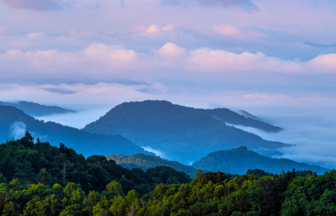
(115, 188)
(43, 177)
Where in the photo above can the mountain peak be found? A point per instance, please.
(176, 131)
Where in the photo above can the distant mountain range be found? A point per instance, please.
(150, 161)
(35, 109)
(181, 133)
(14, 122)
(240, 160)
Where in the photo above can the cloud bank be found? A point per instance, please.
(111, 62)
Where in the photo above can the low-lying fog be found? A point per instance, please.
(311, 130)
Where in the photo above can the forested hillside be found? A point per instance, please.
(211, 193)
(150, 161)
(14, 122)
(239, 160)
(33, 162)
(35, 109)
(181, 133)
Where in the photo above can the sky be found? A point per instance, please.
(270, 57)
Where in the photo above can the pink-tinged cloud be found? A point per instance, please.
(227, 30)
(101, 62)
(40, 5)
(171, 50)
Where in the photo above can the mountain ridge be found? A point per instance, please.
(80, 140)
(37, 110)
(183, 134)
(240, 160)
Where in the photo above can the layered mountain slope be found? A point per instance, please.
(149, 161)
(240, 160)
(181, 133)
(35, 109)
(14, 122)
(244, 119)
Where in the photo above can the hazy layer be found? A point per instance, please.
(311, 129)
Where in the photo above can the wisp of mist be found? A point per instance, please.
(312, 131)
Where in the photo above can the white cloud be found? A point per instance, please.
(109, 62)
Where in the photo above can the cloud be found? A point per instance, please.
(322, 46)
(156, 152)
(222, 3)
(171, 50)
(36, 35)
(153, 29)
(114, 62)
(18, 129)
(227, 30)
(60, 91)
(235, 32)
(311, 129)
(39, 5)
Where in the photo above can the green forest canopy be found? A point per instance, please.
(209, 193)
(150, 161)
(31, 163)
(32, 183)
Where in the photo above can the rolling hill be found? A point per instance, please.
(149, 161)
(35, 109)
(240, 160)
(14, 122)
(181, 133)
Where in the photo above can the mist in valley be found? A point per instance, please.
(310, 130)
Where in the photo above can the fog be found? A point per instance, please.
(18, 130)
(76, 120)
(310, 129)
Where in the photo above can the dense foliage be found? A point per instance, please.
(209, 193)
(13, 120)
(183, 134)
(240, 160)
(40, 162)
(162, 174)
(150, 161)
(35, 109)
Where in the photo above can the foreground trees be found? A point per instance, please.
(37, 179)
(209, 194)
